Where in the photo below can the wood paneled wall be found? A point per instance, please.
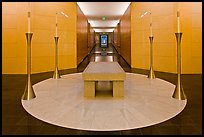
(43, 17)
(116, 37)
(110, 37)
(125, 35)
(91, 37)
(82, 36)
(164, 24)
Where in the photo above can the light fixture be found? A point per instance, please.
(64, 14)
(103, 18)
(145, 14)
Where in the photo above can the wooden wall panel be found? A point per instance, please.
(43, 17)
(82, 36)
(164, 26)
(110, 37)
(91, 38)
(125, 35)
(116, 38)
(88, 36)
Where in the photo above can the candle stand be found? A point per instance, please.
(151, 71)
(29, 92)
(56, 72)
(179, 92)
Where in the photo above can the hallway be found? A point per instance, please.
(108, 54)
(61, 38)
(17, 121)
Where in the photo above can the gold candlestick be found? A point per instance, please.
(29, 92)
(179, 92)
(56, 72)
(151, 71)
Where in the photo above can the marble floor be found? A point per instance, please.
(16, 120)
(146, 102)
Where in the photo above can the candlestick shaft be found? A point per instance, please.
(29, 37)
(151, 72)
(29, 92)
(56, 73)
(56, 52)
(179, 54)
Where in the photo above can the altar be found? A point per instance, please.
(103, 71)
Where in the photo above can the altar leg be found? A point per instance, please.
(89, 88)
(118, 88)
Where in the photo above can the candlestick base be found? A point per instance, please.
(56, 74)
(179, 92)
(151, 74)
(29, 92)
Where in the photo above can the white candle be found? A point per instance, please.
(151, 25)
(178, 21)
(56, 24)
(29, 12)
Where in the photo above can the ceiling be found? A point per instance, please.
(94, 11)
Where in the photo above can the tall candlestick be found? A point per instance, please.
(29, 12)
(151, 25)
(178, 21)
(56, 24)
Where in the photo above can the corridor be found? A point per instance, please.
(108, 54)
(155, 88)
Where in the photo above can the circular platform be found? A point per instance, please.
(146, 102)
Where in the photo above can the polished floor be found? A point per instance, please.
(146, 102)
(15, 120)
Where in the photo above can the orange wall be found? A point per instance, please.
(191, 27)
(14, 27)
(164, 22)
(82, 36)
(125, 35)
